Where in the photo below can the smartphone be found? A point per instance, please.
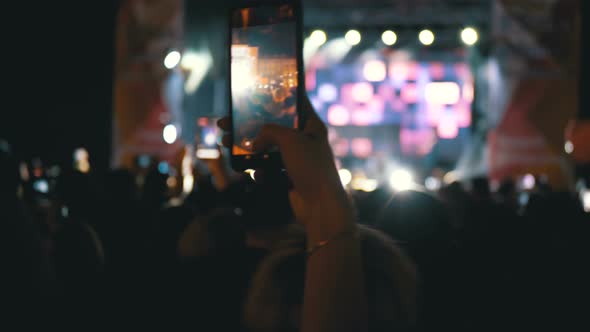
(207, 139)
(266, 76)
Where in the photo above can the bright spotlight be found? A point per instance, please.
(389, 38)
(41, 186)
(163, 167)
(170, 134)
(432, 183)
(353, 37)
(401, 180)
(188, 184)
(569, 147)
(172, 59)
(426, 37)
(528, 182)
(586, 201)
(366, 185)
(469, 36)
(345, 176)
(375, 71)
(318, 38)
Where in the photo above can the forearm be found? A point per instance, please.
(334, 297)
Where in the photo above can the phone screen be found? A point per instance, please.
(264, 71)
(207, 139)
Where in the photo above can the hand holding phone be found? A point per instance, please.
(266, 77)
(310, 166)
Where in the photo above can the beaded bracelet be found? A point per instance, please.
(354, 233)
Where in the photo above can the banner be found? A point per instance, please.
(535, 72)
(145, 101)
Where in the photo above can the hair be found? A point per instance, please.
(275, 297)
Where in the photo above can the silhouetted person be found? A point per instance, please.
(27, 276)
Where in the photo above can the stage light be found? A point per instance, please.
(81, 162)
(469, 36)
(41, 186)
(528, 182)
(338, 115)
(345, 177)
(361, 147)
(586, 201)
(172, 59)
(334, 51)
(171, 182)
(188, 183)
(362, 92)
(84, 166)
(432, 183)
(442, 93)
(318, 38)
(569, 147)
(353, 37)
(366, 185)
(375, 71)
(426, 37)
(81, 154)
(328, 93)
(468, 92)
(170, 134)
(163, 167)
(401, 180)
(448, 128)
(389, 38)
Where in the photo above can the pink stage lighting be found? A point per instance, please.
(448, 127)
(362, 147)
(375, 71)
(362, 92)
(338, 115)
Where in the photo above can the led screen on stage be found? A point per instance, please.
(424, 103)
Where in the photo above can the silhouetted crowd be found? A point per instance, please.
(119, 246)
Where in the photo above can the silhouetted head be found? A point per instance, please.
(507, 188)
(480, 186)
(8, 171)
(155, 188)
(416, 218)
(120, 185)
(264, 203)
(76, 190)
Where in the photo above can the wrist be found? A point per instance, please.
(331, 216)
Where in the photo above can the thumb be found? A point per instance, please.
(273, 135)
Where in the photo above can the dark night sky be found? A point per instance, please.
(58, 71)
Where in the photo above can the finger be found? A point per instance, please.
(226, 141)
(273, 135)
(314, 126)
(224, 124)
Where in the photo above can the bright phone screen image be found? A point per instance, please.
(264, 71)
(207, 139)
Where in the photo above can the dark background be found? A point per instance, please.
(58, 65)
